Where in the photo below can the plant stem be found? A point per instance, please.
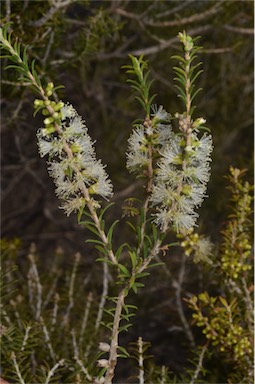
(147, 123)
(200, 364)
(13, 358)
(141, 366)
(115, 335)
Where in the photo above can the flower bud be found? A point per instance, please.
(102, 363)
(105, 347)
(50, 86)
(198, 122)
(48, 120)
(100, 380)
(38, 102)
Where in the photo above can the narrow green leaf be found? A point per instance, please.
(94, 241)
(134, 288)
(132, 306)
(181, 80)
(179, 58)
(194, 67)
(139, 285)
(180, 70)
(151, 99)
(183, 98)
(196, 76)
(141, 102)
(195, 94)
(101, 249)
(104, 210)
(133, 258)
(124, 270)
(181, 91)
(125, 327)
(58, 87)
(37, 110)
(92, 229)
(143, 274)
(110, 232)
(110, 312)
(155, 265)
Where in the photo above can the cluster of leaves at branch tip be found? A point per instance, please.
(176, 163)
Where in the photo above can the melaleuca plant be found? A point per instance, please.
(174, 165)
(227, 320)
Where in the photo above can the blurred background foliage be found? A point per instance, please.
(83, 45)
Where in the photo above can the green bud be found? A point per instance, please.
(38, 102)
(92, 189)
(49, 86)
(186, 189)
(45, 112)
(48, 120)
(75, 148)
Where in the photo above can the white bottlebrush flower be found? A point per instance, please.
(204, 149)
(182, 170)
(200, 173)
(136, 161)
(52, 148)
(83, 144)
(184, 204)
(73, 205)
(68, 111)
(72, 173)
(184, 222)
(155, 133)
(203, 250)
(171, 153)
(45, 147)
(102, 187)
(164, 218)
(168, 174)
(138, 140)
(162, 194)
(165, 134)
(67, 188)
(180, 182)
(160, 114)
(181, 222)
(137, 154)
(197, 193)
